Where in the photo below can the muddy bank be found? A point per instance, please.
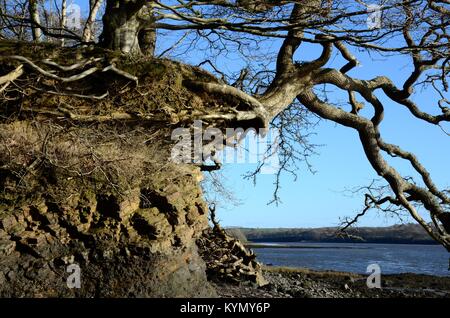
(304, 283)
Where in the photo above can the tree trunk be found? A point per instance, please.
(34, 17)
(127, 28)
(147, 32)
(63, 18)
(88, 32)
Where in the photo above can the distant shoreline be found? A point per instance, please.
(306, 246)
(397, 234)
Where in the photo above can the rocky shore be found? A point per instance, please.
(304, 283)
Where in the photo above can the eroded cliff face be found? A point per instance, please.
(136, 242)
(89, 181)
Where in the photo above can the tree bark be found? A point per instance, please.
(88, 32)
(36, 21)
(127, 27)
(63, 18)
(147, 32)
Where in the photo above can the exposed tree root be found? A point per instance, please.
(226, 258)
(5, 80)
(72, 67)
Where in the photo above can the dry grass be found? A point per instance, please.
(34, 155)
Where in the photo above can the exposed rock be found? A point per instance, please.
(121, 248)
(102, 195)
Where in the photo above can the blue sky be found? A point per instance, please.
(316, 200)
(320, 199)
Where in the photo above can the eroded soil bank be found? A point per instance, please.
(86, 176)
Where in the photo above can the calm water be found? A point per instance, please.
(392, 258)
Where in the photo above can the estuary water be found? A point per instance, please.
(349, 257)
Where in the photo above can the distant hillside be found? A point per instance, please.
(401, 234)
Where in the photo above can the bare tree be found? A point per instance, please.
(16, 10)
(275, 93)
